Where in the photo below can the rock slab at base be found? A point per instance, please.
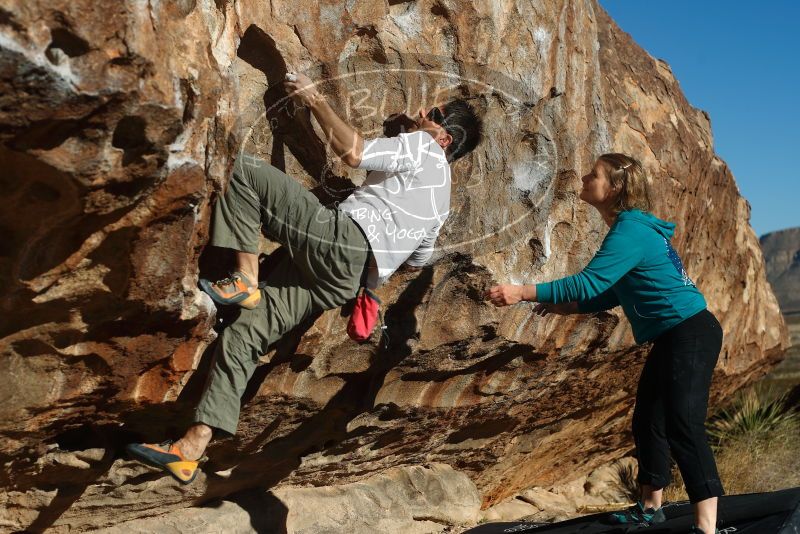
(411, 500)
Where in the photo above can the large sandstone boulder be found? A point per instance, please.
(119, 123)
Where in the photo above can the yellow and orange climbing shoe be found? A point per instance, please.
(237, 289)
(166, 456)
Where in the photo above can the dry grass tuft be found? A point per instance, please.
(757, 445)
(626, 483)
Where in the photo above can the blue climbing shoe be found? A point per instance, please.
(236, 289)
(637, 515)
(166, 456)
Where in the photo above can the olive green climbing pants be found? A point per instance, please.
(323, 268)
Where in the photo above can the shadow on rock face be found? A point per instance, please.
(265, 464)
(267, 513)
(396, 124)
(290, 126)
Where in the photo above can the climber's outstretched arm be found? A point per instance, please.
(344, 140)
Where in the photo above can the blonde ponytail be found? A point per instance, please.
(627, 174)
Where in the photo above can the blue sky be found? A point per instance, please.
(740, 61)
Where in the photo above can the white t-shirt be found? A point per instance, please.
(404, 201)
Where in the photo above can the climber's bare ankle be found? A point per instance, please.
(194, 442)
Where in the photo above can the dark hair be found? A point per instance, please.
(628, 175)
(465, 127)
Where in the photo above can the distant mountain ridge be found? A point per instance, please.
(782, 257)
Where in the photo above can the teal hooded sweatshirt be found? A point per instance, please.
(636, 268)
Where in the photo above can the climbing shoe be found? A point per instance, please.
(237, 289)
(166, 456)
(637, 514)
(698, 530)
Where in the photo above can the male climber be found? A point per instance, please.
(393, 218)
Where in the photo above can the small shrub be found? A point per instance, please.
(755, 411)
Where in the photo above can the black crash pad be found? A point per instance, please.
(777, 512)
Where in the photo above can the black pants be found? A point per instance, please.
(671, 406)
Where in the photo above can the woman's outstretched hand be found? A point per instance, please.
(506, 295)
(565, 308)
